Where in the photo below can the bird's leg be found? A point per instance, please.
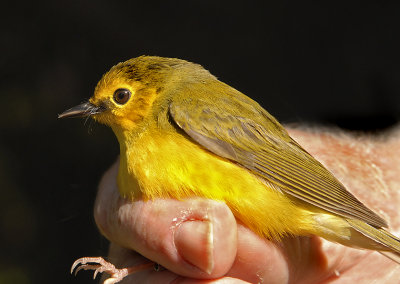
(100, 265)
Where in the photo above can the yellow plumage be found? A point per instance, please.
(183, 133)
(170, 166)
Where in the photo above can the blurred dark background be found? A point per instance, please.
(328, 63)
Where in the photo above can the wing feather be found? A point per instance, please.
(242, 131)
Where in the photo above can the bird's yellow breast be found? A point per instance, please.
(169, 165)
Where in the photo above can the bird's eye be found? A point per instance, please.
(121, 96)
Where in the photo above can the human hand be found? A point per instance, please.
(200, 239)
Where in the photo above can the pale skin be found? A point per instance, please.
(199, 241)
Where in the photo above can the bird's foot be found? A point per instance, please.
(99, 265)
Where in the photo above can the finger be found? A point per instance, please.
(348, 265)
(124, 257)
(258, 260)
(293, 260)
(194, 238)
(222, 280)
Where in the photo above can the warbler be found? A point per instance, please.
(183, 133)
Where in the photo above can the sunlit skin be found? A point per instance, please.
(366, 165)
(184, 134)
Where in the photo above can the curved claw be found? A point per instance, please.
(95, 267)
(75, 264)
(95, 273)
(100, 265)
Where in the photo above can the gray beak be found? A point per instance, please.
(82, 110)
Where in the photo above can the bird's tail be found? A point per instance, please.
(389, 245)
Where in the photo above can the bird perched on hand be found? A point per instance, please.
(184, 133)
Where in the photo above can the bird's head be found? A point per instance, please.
(125, 95)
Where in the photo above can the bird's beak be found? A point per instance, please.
(82, 110)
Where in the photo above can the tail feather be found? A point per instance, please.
(390, 244)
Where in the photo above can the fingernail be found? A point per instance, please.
(194, 241)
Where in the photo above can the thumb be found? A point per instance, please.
(194, 238)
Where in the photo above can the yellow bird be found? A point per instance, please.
(184, 133)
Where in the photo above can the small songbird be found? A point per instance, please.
(183, 133)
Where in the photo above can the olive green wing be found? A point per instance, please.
(237, 128)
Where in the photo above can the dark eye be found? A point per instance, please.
(121, 96)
